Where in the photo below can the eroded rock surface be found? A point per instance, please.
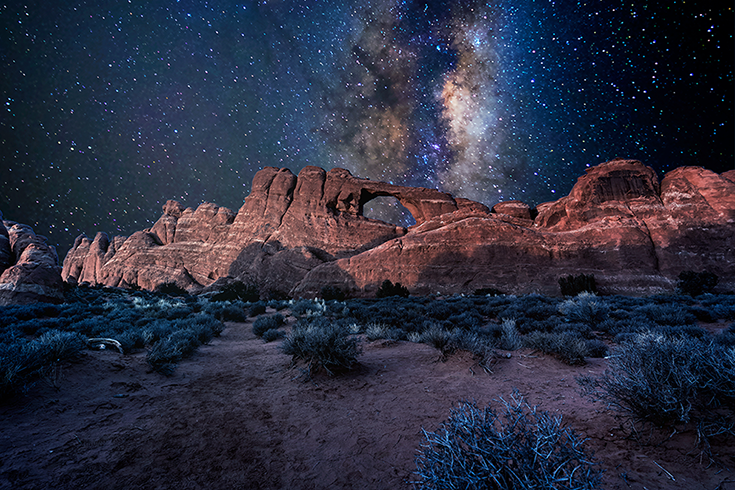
(294, 235)
(29, 266)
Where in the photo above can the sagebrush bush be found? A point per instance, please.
(376, 331)
(510, 339)
(570, 347)
(518, 447)
(586, 308)
(667, 381)
(439, 338)
(321, 345)
(264, 323)
(272, 334)
(174, 341)
(306, 307)
(22, 361)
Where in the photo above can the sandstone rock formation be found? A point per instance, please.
(294, 235)
(29, 270)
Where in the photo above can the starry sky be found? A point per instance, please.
(111, 107)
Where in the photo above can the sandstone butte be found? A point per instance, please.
(29, 267)
(294, 235)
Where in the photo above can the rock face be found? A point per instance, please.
(29, 270)
(294, 235)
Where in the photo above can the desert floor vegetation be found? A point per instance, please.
(658, 371)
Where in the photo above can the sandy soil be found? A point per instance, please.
(237, 416)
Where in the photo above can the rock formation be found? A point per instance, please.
(29, 267)
(294, 235)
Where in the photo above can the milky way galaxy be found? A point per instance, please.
(114, 106)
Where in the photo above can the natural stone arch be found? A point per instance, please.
(388, 209)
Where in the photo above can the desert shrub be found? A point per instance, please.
(22, 361)
(578, 328)
(179, 311)
(376, 331)
(56, 346)
(38, 326)
(439, 338)
(529, 309)
(696, 283)
(482, 347)
(586, 308)
(702, 314)
(510, 339)
(272, 334)
(264, 323)
(570, 347)
(387, 289)
(517, 447)
(277, 304)
(165, 354)
(171, 289)
(667, 381)
(131, 340)
(665, 314)
(257, 308)
(725, 338)
(321, 344)
(694, 331)
(468, 320)
(204, 326)
(305, 307)
(92, 327)
(238, 290)
(724, 311)
(232, 313)
(439, 310)
(157, 330)
(573, 285)
(329, 293)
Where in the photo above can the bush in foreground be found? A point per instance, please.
(518, 447)
(321, 344)
(670, 381)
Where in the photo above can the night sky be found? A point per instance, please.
(111, 107)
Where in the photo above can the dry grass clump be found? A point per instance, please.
(321, 344)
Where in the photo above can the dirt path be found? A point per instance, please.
(236, 416)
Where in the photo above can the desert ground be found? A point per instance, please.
(237, 415)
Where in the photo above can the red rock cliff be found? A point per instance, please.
(296, 234)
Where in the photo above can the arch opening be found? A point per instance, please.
(388, 209)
